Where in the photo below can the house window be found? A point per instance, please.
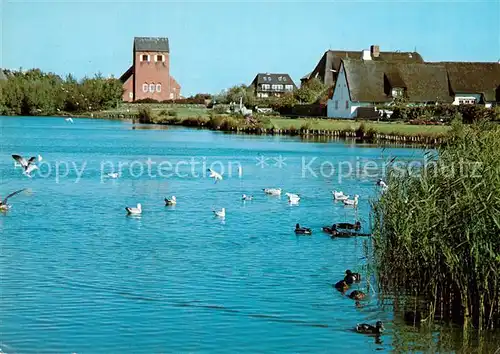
(171, 96)
(466, 101)
(279, 78)
(284, 78)
(289, 87)
(159, 57)
(336, 104)
(158, 87)
(265, 86)
(151, 88)
(346, 104)
(130, 95)
(279, 87)
(397, 92)
(145, 87)
(144, 57)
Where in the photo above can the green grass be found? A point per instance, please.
(382, 128)
(182, 111)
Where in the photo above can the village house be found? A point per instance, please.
(367, 83)
(269, 85)
(327, 69)
(149, 76)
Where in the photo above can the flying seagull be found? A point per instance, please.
(29, 165)
(69, 120)
(3, 203)
(216, 176)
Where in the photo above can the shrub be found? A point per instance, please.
(145, 115)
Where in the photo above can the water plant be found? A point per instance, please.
(437, 230)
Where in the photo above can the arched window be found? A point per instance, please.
(145, 87)
(158, 87)
(151, 87)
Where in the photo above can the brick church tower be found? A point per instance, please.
(149, 75)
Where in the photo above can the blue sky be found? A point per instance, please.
(215, 45)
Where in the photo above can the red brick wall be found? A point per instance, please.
(152, 73)
(128, 87)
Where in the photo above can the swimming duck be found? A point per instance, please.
(302, 230)
(3, 203)
(349, 226)
(341, 286)
(382, 184)
(369, 329)
(134, 211)
(171, 201)
(357, 295)
(245, 197)
(351, 277)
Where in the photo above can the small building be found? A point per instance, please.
(368, 83)
(472, 83)
(328, 66)
(149, 76)
(269, 85)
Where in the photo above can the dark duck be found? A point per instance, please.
(302, 230)
(345, 225)
(369, 329)
(351, 277)
(341, 286)
(357, 295)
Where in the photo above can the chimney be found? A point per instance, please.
(375, 50)
(366, 55)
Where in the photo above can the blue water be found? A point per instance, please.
(78, 275)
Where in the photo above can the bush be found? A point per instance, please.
(145, 115)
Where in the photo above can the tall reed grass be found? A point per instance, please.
(437, 232)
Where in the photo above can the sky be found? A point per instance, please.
(215, 45)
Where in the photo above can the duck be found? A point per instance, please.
(302, 230)
(113, 175)
(349, 226)
(352, 202)
(351, 277)
(341, 286)
(3, 203)
(171, 201)
(292, 196)
(245, 197)
(220, 213)
(356, 295)
(370, 329)
(216, 176)
(382, 184)
(272, 191)
(134, 211)
(339, 195)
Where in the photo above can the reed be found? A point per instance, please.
(437, 231)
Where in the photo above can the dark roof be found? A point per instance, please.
(2, 75)
(306, 76)
(272, 79)
(127, 74)
(151, 44)
(480, 78)
(423, 82)
(328, 66)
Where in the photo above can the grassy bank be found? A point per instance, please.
(436, 232)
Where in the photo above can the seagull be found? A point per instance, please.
(245, 197)
(3, 203)
(113, 175)
(171, 201)
(134, 211)
(292, 197)
(220, 213)
(272, 191)
(339, 195)
(216, 176)
(382, 184)
(40, 158)
(28, 166)
(352, 202)
(69, 120)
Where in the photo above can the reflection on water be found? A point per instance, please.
(78, 275)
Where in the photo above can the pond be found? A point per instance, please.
(79, 275)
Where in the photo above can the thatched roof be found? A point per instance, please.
(479, 78)
(151, 44)
(328, 66)
(368, 80)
